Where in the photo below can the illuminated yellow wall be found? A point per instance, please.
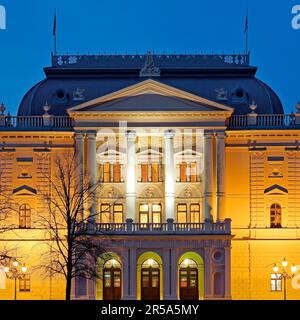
(255, 246)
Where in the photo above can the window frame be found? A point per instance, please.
(275, 209)
(114, 212)
(275, 279)
(24, 209)
(186, 212)
(108, 212)
(199, 212)
(25, 283)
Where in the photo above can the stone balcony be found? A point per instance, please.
(168, 228)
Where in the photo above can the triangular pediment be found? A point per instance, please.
(276, 189)
(24, 190)
(148, 96)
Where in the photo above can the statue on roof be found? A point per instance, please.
(149, 69)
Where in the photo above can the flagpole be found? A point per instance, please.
(247, 31)
(54, 34)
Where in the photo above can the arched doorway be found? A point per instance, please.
(190, 277)
(112, 280)
(109, 284)
(149, 276)
(188, 280)
(150, 280)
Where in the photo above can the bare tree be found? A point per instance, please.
(73, 251)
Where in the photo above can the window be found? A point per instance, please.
(276, 282)
(144, 213)
(24, 283)
(183, 172)
(150, 172)
(111, 213)
(195, 213)
(188, 172)
(118, 213)
(117, 172)
(144, 168)
(194, 172)
(156, 213)
(25, 216)
(275, 216)
(181, 213)
(154, 172)
(106, 172)
(105, 213)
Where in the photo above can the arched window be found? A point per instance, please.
(25, 216)
(275, 214)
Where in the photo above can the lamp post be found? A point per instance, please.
(15, 272)
(284, 275)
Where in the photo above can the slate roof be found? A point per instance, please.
(227, 79)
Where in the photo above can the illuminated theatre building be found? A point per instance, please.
(199, 167)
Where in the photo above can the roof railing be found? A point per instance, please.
(269, 121)
(235, 122)
(34, 122)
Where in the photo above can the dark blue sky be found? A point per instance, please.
(139, 25)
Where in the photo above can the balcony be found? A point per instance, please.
(168, 228)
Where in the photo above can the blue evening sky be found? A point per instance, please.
(139, 25)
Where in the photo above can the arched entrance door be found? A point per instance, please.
(188, 280)
(112, 280)
(150, 280)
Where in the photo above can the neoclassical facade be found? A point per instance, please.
(198, 166)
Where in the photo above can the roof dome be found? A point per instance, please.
(227, 79)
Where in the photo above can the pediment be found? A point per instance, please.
(276, 189)
(24, 191)
(148, 96)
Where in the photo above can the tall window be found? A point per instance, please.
(106, 172)
(275, 216)
(144, 168)
(195, 213)
(117, 172)
(25, 216)
(24, 283)
(194, 172)
(188, 172)
(154, 172)
(183, 172)
(276, 282)
(111, 172)
(181, 213)
(150, 172)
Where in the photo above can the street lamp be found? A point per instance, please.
(284, 275)
(15, 272)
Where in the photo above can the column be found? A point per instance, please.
(170, 270)
(79, 160)
(208, 176)
(129, 274)
(169, 174)
(131, 176)
(221, 171)
(228, 273)
(207, 274)
(92, 174)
